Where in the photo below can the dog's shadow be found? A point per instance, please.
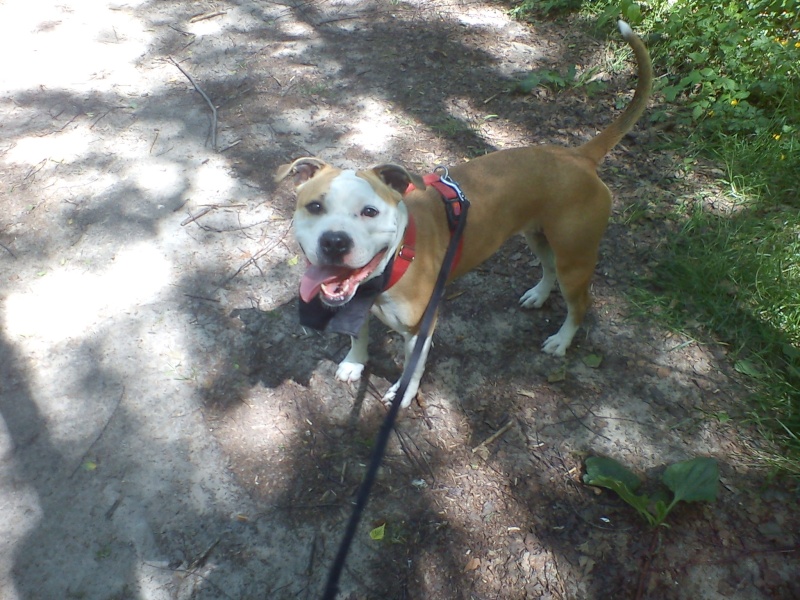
(275, 348)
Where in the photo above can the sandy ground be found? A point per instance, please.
(167, 430)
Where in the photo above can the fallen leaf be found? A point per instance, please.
(473, 564)
(592, 360)
(378, 533)
(557, 375)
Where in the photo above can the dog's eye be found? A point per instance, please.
(370, 211)
(315, 208)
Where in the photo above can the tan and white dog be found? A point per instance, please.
(351, 225)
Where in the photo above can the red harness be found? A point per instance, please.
(405, 256)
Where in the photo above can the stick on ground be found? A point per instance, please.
(208, 101)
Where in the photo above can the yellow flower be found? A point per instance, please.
(784, 42)
(734, 102)
(711, 113)
(783, 157)
(776, 136)
(797, 44)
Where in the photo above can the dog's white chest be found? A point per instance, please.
(393, 314)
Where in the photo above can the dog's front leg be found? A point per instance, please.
(416, 376)
(352, 366)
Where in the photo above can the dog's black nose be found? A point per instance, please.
(335, 244)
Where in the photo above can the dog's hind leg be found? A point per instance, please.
(536, 296)
(574, 281)
(352, 366)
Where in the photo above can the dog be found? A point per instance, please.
(351, 226)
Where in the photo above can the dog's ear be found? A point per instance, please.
(302, 169)
(398, 178)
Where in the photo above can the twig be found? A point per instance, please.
(257, 255)
(203, 558)
(494, 436)
(193, 297)
(155, 139)
(7, 249)
(337, 19)
(198, 18)
(197, 215)
(181, 31)
(208, 101)
(98, 119)
(414, 460)
(229, 146)
(35, 169)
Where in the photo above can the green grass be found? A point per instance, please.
(735, 279)
(729, 82)
(737, 271)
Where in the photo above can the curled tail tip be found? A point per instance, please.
(625, 29)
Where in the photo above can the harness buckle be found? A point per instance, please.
(455, 205)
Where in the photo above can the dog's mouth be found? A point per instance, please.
(336, 285)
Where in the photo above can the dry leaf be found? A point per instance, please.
(473, 564)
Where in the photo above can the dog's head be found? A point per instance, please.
(348, 223)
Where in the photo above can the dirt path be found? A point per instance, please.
(167, 430)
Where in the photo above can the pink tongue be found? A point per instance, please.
(315, 276)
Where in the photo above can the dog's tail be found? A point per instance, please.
(601, 144)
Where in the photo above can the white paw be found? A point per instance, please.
(534, 297)
(349, 372)
(389, 396)
(556, 345)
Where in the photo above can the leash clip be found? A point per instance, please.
(455, 205)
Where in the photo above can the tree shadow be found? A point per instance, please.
(294, 440)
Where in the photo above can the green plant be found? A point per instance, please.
(555, 80)
(693, 480)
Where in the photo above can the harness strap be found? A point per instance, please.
(453, 205)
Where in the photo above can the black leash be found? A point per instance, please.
(332, 586)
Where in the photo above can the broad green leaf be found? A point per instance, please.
(530, 82)
(599, 466)
(745, 367)
(378, 533)
(693, 480)
(640, 503)
(608, 473)
(671, 92)
(634, 13)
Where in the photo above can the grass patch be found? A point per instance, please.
(734, 278)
